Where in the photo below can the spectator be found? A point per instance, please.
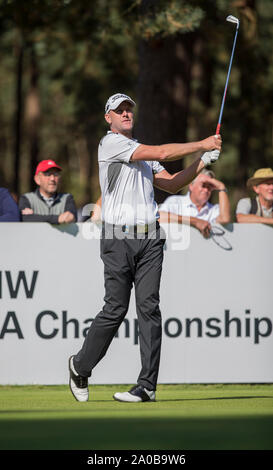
(260, 208)
(46, 204)
(194, 208)
(96, 214)
(9, 211)
(85, 214)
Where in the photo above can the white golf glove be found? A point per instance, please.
(210, 157)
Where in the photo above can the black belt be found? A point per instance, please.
(132, 229)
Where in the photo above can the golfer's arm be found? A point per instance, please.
(174, 183)
(224, 206)
(166, 152)
(253, 219)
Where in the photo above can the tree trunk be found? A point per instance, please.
(254, 104)
(19, 54)
(201, 121)
(33, 115)
(164, 89)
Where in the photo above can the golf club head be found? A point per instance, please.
(233, 19)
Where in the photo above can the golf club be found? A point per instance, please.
(231, 19)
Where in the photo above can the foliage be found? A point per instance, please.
(168, 18)
(61, 59)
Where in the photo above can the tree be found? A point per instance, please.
(165, 70)
(172, 55)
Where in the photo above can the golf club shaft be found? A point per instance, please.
(225, 90)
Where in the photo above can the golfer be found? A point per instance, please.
(131, 246)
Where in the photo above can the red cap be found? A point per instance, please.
(45, 165)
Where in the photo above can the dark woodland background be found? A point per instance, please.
(62, 59)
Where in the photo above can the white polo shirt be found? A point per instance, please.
(183, 205)
(126, 186)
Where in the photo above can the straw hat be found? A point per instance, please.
(260, 176)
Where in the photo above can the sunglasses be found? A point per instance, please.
(51, 173)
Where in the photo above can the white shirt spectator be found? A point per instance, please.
(183, 205)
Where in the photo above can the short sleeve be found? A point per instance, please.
(243, 206)
(214, 212)
(116, 148)
(157, 167)
(24, 203)
(172, 204)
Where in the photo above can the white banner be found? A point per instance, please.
(216, 305)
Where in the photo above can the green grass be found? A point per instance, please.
(227, 417)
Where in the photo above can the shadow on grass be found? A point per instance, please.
(84, 405)
(137, 433)
(217, 398)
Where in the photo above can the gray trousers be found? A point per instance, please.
(127, 261)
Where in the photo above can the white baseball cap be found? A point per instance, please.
(115, 100)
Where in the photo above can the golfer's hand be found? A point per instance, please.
(214, 142)
(27, 211)
(210, 157)
(66, 218)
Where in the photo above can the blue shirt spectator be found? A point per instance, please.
(9, 211)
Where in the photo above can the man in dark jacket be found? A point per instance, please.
(9, 211)
(46, 204)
